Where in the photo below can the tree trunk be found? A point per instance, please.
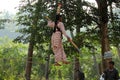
(32, 39)
(29, 59)
(105, 45)
(30, 54)
(103, 17)
(47, 71)
(76, 68)
(76, 65)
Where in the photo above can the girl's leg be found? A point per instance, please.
(64, 59)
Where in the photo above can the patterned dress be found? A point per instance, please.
(56, 41)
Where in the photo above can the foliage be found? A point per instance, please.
(12, 58)
(79, 17)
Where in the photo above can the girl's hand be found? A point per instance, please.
(69, 39)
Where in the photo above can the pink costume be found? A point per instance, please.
(56, 41)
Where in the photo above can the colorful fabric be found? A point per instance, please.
(56, 41)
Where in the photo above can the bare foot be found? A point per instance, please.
(66, 62)
(57, 64)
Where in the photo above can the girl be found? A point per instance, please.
(56, 40)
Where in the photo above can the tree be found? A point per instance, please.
(103, 17)
(4, 19)
(29, 16)
(105, 29)
(12, 59)
(75, 17)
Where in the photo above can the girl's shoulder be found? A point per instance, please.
(60, 24)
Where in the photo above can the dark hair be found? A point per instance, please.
(111, 62)
(58, 16)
